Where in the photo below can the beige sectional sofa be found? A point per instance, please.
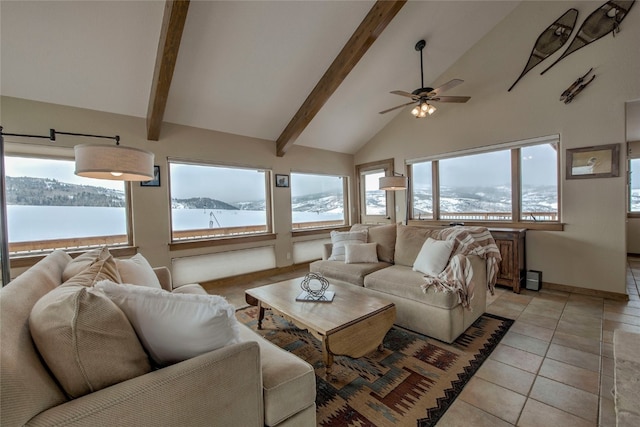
(438, 314)
(249, 383)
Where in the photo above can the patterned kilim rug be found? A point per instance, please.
(412, 382)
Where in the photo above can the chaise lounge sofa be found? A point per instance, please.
(248, 383)
(442, 307)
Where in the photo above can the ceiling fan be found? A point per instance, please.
(424, 95)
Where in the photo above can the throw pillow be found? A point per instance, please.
(85, 340)
(360, 252)
(175, 327)
(340, 238)
(433, 256)
(83, 261)
(103, 269)
(137, 271)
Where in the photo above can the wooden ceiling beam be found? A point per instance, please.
(382, 12)
(175, 15)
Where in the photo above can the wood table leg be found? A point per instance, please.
(327, 358)
(261, 314)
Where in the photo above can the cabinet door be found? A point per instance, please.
(506, 272)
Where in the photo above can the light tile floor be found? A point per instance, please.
(553, 368)
(555, 365)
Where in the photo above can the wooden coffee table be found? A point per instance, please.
(353, 324)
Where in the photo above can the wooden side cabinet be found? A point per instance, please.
(511, 243)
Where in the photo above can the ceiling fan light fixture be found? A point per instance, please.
(431, 109)
(416, 111)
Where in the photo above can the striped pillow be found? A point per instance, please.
(340, 238)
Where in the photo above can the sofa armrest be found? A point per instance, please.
(326, 251)
(219, 388)
(164, 277)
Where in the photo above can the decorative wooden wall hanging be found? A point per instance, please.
(550, 40)
(602, 21)
(576, 87)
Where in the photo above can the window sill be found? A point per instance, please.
(316, 231)
(529, 225)
(21, 261)
(633, 214)
(207, 243)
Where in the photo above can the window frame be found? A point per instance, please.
(345, 203)
(387, 166)
(28, 257)
(633, 153)
(516, 186)
(222, 239)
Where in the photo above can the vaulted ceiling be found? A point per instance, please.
(242, 67)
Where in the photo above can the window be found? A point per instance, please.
(476, 187)
(318, 200)
(49, 207)
(422, 191)
(375, 206)
(218, 201)
(539, 183)
(375, 201)
(479, 185)
(634, 185)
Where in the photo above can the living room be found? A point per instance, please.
(589, 253)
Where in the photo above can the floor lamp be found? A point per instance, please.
(396, 182)
(92, 160)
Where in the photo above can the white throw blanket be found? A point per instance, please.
(456, 277)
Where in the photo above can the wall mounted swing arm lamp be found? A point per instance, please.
(113, 162)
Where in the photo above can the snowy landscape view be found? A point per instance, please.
(41, 209)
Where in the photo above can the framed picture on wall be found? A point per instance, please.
(602, 161)
(155, 182)
(282, 180)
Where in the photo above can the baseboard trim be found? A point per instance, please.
(585, 291)
(253, 276)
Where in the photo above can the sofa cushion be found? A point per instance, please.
(360, 252)
(433, 257)
(175, 326)
(340, 238)
(403, 282)
(289, 382)
(384, 236)
(409, 241)
(137, 271)
(351, 273)
(85, 339)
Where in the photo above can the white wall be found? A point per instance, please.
(151, 220)
(591, 251)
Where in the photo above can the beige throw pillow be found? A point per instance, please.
(174, 326)
(85, 340)
(433, 256)
(341, 238)
(81, 262)
(360, 252)
(103, 269)
(137, 271)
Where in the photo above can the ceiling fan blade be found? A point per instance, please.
(459, 99)
(395, 108)
(449, 85)
(403, 93)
